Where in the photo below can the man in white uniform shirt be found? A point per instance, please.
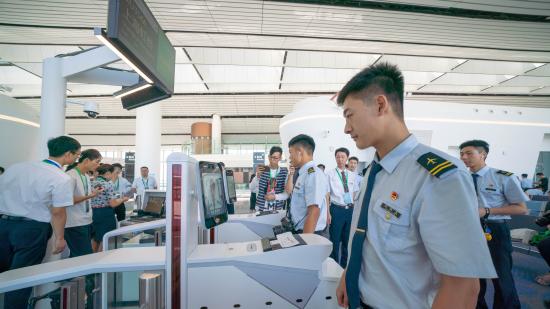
(415, 236)
(342, 184)
(33, 197)
(145, 182)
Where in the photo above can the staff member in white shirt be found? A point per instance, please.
(122, 187)
(33, 195)
(79, 216)
(144, 182)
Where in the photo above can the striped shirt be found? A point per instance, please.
(279, 188)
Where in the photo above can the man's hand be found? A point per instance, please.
(481, 212)
(125, 199)
(270, 197)
(59, 245)
(341, 293)
(329, 218)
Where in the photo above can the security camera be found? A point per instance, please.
(91, 109)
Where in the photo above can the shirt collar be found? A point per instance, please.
(392, 159)
(304, 167)
(52, 162)
(482, 171)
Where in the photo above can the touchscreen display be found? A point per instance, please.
(155, 204)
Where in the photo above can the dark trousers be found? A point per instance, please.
(79, 240)
(120, 212)
(252, 201)
(22, 243)
(339, 232)
(544, 249)
(500, 247)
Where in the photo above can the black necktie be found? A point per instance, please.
(475, 177)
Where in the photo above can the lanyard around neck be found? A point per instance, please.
(117, 184)
(52, 162)
(83, 179)
(145, 184)
(340, 176)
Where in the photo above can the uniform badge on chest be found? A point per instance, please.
(394, 196)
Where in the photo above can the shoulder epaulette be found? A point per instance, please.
(505, 173)
(435, 164)
(311, 170)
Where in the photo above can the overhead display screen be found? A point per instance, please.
(133, 29)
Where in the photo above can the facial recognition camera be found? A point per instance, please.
(91, 109)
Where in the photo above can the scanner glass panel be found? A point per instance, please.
(213, 196)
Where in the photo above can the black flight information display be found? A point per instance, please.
(133, 29)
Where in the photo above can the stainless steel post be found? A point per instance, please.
(150, 291)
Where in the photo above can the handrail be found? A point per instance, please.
(131, 228)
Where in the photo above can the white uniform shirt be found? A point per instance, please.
(437, 230)
(337, 188)
(29, 189)
(310, 189)
(122, 186)
(141, 184)
(497, 190)
(79, 214)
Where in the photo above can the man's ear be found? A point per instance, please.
(382, 103)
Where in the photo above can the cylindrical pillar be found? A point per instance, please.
(52, 104)
(201, 137)
(216, 134)
(148, 135)
(150, 291)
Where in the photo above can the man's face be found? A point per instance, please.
(116, 172)
(363, 121)
(274, 159)
(472, 156)
(352, 165)
(341, 159)
(70, 157)
(144, 172)
(295, 156)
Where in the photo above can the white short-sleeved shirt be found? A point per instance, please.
(434, 229)
(141, 184)
(80, 214)
(498, 188)
(122, 186)
(337, 187)
(29, 189)
(309, 189)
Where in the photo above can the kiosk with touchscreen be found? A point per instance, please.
(214, 208)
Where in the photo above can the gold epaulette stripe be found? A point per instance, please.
(440, 167)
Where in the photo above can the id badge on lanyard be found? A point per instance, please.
(347, 198)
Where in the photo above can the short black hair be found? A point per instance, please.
(144, 167)
(117, 165)
(381, 77)
(342, 149)
(90, 154)
(303, 140)
(2, 170)
(275, 149)
(60, 145)
(321, 166)
(475, 143)
(523, 175)
(540, 174)
(353, 158)
(105, 168)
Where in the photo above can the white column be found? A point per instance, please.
(148, 134)
(52, 104)
(216, 134)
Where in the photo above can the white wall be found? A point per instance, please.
(18, 142)
(516, 134)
